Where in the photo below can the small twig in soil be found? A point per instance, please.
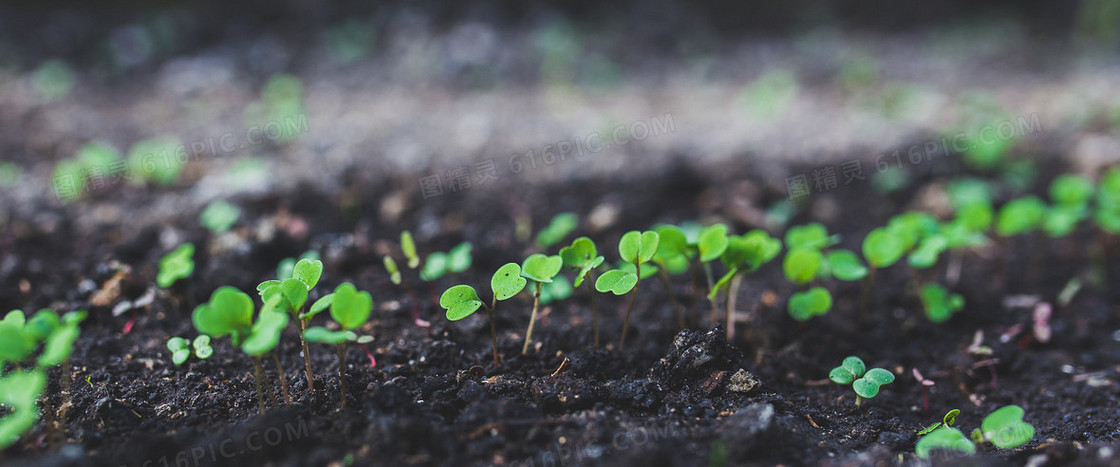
(563, 365)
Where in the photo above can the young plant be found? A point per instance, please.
(939, 304)
(560, 226)
(540, 269)
(710, 245)
(1107, 213)
(462, 301)
(745, 254)
(349, 308)
(636, 248)
(583, 257)
(179, 264)
(292, 293)
(412, 259)
(673, 257)
(1071, 195)
(864, 382)
(181, 349)
(926, 384)
(1020, 216)
(219, 216)
(882, 247)
(287, 266)
(946, 421)
(456, 260)
(804, 305)
(230, 313)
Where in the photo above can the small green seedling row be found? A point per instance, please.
(864, 382)
(1003, 428)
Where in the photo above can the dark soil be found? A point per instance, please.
(435, 398)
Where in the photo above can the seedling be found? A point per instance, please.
(560, 226)
(882, 247)
(710, 244)
(816, 301)
(802, 265)
(540, 269)
(456, 260)
(230, 313)
(181, 349)
(744, 254)
(926, 384)
(635, 248)
(219, 216)
(293, 293)
(1071, 195)
(583, 256)
(408, 247)
(462, 301)
(1004, 428)
(946, 421)
(673, 257)
(1107, 214)
(412, 259)
(864, 382)
(158, 160)
(1020, 216)
(287, 265)
(349, 308)
(179, 264)
(939, 304)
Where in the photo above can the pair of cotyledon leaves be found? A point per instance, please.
(461, 301)
(864, 382)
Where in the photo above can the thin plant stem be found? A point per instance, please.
(732, 297)
(342, 374)
(664, 277)
(711, 297)
(594, 311)
(630, 307)
(865, 296)
(283, 379)
(532, 320)
(302, 325)
(257, 377)
(493, 330)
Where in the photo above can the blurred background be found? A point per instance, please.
(195, 101)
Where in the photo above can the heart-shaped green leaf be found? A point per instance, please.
(263, 286)
(350, 307)
(506, 282)
(812, 236)
(616, 281)
(841, 375)
(434, 267)
(459, 258)
(265, 334)
(634, 246)
(180, 356)
(854, 365)
(42, 324)
(944, 438)
(202, 348)
(846, 266)
(295, 292)
(320, 305)
(1006, 429)
(671, 243)
(177, 343)
(865, 388)
(712, 242)
(813, 302)
(879, 375)
(228, 310)
(460, 302)
(802, 265)
(541, 268)
(881, 248)
(579, 253)
(309, 272)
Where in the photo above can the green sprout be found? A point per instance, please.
(438, 264)
(710, 244)
(182, 349)
(287, 265)
(1020, 216)
(230, 313)
(1004, 428)
(158, 160)
(813, 235)
(19, 392)
(408, 247)
(219, 216)
(560, 226)
(939, 304)
(583, 257)
(1107, 214)
(816, 301)
(635, 248)
(540, 269)
(178, 264)
(461, 301)
(1071, 195)
(802, 265)
(745, 254)
(864, 382)
(350, 308)
(292, 293)
(391, 268)
(845, 265)
(882, 248)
